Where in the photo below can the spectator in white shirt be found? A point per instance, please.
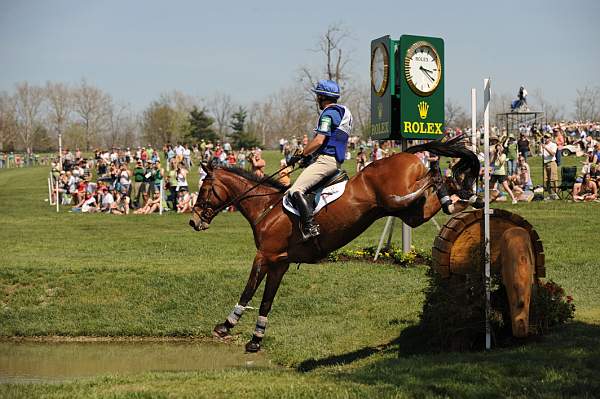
(548, 150)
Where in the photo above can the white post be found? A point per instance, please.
(474, 135)
(386, 230)
(486, 213)
(59, 169)
(160, 208)
(50, 190)
(406, 231)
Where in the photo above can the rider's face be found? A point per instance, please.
(321, 101)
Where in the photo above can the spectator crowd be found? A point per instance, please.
(122, 181)
(146, 180)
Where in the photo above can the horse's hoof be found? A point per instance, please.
(221, 331)
(252, 346)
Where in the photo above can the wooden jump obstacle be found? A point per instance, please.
(460, 242)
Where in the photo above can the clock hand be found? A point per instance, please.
(426, 74)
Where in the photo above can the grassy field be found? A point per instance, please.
(336, 328)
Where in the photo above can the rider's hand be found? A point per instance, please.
(294, 159)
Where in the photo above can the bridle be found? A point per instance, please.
(208, 212)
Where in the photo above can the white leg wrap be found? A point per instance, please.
(236, 314)
(261, 326)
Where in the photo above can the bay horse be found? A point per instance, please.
(399, 186)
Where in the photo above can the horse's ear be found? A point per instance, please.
(207, 167)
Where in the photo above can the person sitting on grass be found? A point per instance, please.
(107, 200)
(585, 191)
(122, 202)
(87, 204)
(151, 206)
(184, 202)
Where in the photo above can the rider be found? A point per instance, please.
(327, 150)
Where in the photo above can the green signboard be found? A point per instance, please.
(407, 88)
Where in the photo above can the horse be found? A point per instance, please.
(399, 186)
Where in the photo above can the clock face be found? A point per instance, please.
(380, 64)
(422, 68)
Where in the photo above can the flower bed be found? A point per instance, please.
(388, 255)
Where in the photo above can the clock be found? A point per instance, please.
(422, 68)
(380, 66)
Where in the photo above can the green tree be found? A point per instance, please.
(159, 124)
(200, 125)
(240, 137)
(41, 140)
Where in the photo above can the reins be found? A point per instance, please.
(242, 195)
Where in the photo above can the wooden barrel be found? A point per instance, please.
(459, 245)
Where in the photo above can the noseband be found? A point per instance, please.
(208, 213)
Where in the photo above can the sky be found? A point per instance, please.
(136, 50)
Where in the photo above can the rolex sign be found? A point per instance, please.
(407, 88)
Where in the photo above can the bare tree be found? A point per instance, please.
(28, 103)
(455, 115)
(359, 101)
(91, 105)
(587, 104)
(499, 103)
(335, 60)
(280, 109)
(121, 126)
(221, 108)
(8, 121)
(553, 113)
(60, 105)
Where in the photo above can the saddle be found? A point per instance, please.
(339, 176)
(325, 192)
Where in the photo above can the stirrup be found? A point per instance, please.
(309, 231)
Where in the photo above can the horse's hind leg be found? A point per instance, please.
(256, 276)
(274, 276)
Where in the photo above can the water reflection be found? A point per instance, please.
(43, 362)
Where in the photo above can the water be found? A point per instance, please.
(35, 362)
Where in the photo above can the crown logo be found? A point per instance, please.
(380, 111)
(423, 108)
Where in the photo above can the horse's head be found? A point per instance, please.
(211, 197)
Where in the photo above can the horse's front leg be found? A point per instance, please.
(274, 276)
(257, 274)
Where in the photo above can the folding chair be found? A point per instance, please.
(567, 176)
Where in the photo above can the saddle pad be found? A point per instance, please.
(322, 197)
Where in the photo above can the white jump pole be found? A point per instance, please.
(406, 230)
(474, 137)
(486, 213)
(59, 168)
(474, 120)
(50, 191)
(160, 208)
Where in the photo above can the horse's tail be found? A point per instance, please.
(468, 166)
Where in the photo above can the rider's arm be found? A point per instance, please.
(314, 144)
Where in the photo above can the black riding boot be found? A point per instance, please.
(308, 227)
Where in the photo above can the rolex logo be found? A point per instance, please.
(423, 108)
(379, 111)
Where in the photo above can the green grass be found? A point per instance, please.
(346, 324)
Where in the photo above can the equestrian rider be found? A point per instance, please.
(327, 150)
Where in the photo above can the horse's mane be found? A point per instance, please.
(269, 182)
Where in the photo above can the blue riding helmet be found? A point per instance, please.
(327, 88)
